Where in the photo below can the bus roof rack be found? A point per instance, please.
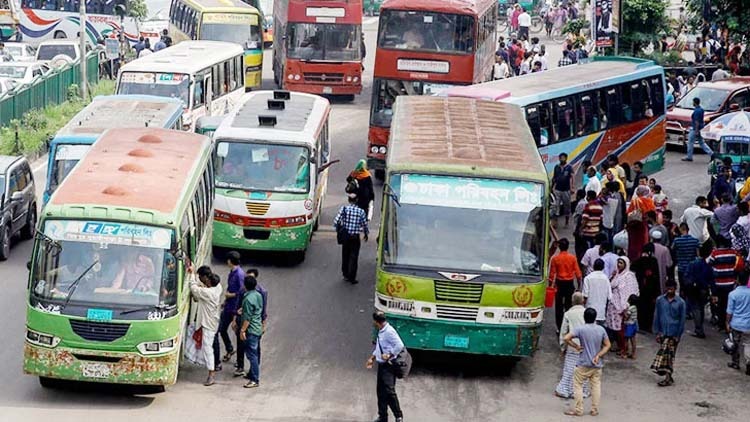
(265, 120)
(282, 95)
(274, 104)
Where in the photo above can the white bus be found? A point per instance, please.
(271, 164)
(208, 76)
(34, 21)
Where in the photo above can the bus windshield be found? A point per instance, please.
(426, 31)
(263, 167)
(385, 92)
(50, 51)
(66, 157)
(244, 34)
(170, 85)
(464, 224)
(332, 42)
(105, 264)
(711, 98)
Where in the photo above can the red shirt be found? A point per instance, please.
(564, 267)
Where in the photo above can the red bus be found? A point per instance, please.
(424, 47)
(319, 46)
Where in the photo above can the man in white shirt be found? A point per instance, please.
(594, 184)
(597, 291)
(541, 56)
(720, 74)
(524, 23)
(592, 254)
(207, 292)
(696, 217)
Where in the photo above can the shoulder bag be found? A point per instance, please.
(400, 364)
(341, 233)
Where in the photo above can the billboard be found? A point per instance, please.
(606, 22)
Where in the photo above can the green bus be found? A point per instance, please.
(462, 251)
(108, 299)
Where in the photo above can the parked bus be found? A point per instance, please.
(423, 48)
(265, 7)
(611, 105)
(40, 20)
(272, 157)
(222, 20)
(108, 298)
(323, 51)
(462, 249)
(207, 76)
(72, 142)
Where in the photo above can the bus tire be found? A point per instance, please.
(316, 224)
(29, 230)
(298, 257)
(219, 253)
(60, 35)
(380, 174)
(348, 98)
(46, 382)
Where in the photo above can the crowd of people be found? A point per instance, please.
(109, 68)
(521, 56)
(635, 269)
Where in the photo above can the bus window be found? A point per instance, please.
(588, 118)
(612, 112)
(564, 118)
(199, 95)
(538, 118)
(429, 31)
(657, 95)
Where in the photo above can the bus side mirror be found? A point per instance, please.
(325, 166)
(28, 265)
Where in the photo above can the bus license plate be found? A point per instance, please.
(513, 315)
(457, 342)
(95, 370)
(327, 90)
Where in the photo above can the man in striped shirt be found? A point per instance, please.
(591, 220)
(727, 265)
(685, 249)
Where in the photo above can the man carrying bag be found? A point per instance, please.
(394, 362)
(349, 223)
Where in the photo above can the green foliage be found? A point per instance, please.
(732, 14)
(72, 94)
(575, 26)
(138, 9)
(671, 58)
(642, 22)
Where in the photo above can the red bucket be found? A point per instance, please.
(549, 298)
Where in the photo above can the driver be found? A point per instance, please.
(413, 38)
(138, 273)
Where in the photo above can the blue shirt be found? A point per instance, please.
(698, 274)
(159, 46)
(739, 308)
(726, 215)
(561, 177)
(669, 318)
(697, 118)
(235, 281)
(685, 249)
(388, 342)
(592, 338)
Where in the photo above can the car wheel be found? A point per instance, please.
(5, 244)
(60, 35)
(29, 230)
(46, 382)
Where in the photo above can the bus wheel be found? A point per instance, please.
(348, 98)
(47, 382)
(60, 34)
(153, 389)
(298, 257)
(380, 174)
(220, 254)
(316, 225)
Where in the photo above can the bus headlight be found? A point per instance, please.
(154, 347)
(297, 77)
(356, 79)
(374, 149)
(383, 150)
(41, 339)
(290, 77)
(348, 78)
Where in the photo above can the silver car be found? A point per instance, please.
(20, 51)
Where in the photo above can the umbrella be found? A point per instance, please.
(730, 124)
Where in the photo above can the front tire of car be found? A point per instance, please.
(29, 230)
(5, 245)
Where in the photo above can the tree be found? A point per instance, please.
(731, 14)
(137, 9)
(642, 22)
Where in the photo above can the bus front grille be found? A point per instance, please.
(461, 313)
(324, 77)
(257, 208)
(462, 292)
(98, 331)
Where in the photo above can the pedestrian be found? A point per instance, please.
(669, 325)
(698, 279)
(232, 298)
(362, 178)
(542, 57)
(160, 45)
(661, 201)
(524, 22)
(252, 329)
(388, 345)
(610, 259)
(623, 285)
(562, 187)
(564, 274)
(592, 184)
(724, 184)
(646, 269)
(597, 291)
(664, 258)
(610, 206)
(591, 219)
(726, 215)
(672, 229)
(594, 346)
(139, 46)
(727, 266)
(572, 319)
(697, 123)
(654, 227)
(240, 366)
(720, 73)
(610, 175)
(696, 217)
(636, 226)
(565, 60)
(740, 241)
(738, 323)
(206, 290)
(166, 38)
(351, 220)
(637, 174)
(684, 249)
(592, 254)
(631, 327)
(500, 69)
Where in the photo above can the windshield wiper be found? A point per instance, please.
(50, 245)
(388, 191)
(146, 308)
(74, 285)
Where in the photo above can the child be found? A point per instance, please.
(631, 327)
(652, 185)
(660, 199)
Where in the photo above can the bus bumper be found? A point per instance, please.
(98, 366)
(323, 89)
(466, 337)
(291, 239)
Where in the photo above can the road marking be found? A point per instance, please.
(369, 21)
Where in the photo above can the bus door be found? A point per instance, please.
(323, 161)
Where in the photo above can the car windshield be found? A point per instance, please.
(735, 148)
(66, 157)
(318, 41)
(262, 167)
(10, 71)
(711, 98)
(170, 85)
(463, 224)
(49, 51)
(385, 92)
(236, 31)
(426, 31)
(116, 265)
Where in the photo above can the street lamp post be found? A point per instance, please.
(82, 46)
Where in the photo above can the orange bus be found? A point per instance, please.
(424, 47)
(320, 46)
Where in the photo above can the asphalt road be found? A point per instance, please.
(319, 338)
